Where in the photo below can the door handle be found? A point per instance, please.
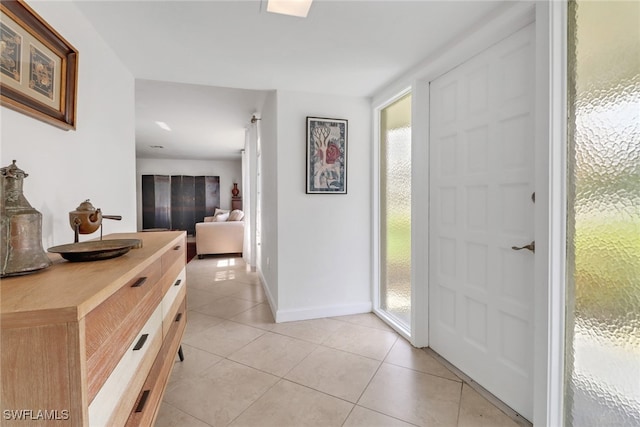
(530, 247)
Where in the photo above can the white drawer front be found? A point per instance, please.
(108, 397)
(173, 291)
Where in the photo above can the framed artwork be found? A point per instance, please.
(38, 68)
(326, 156)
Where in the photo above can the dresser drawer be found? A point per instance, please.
(177, 252)
(172, 299)
(146, 407)
(111, 403)
(112, 326)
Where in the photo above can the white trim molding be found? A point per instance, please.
(551, 212)
(272, 304)
(420, 214)
(321, 312)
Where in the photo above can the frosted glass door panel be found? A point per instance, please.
(395, 206)
(603, 328)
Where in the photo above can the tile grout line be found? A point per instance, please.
(348, 415)
(377, 370)
(254, 402)
(283, 377)
(262, 370)
(164, 402)
(487, 395)
(386, 415)
(423, 372)
(319, 391)
(459, 405)
(387, 329)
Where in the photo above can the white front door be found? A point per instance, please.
(481, 185)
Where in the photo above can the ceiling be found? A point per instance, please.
(207, 122)
(204, 67)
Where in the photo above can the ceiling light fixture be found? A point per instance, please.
(298, 8)
(163, 125)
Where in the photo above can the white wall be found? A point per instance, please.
(324, 241)
(96, 161)
(229, 171)
(267, 256)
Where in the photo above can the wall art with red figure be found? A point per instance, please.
(326, 156)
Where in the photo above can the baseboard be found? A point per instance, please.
(311, 312)
(324, 311)
(272, 304)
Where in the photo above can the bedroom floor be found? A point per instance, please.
(242, 369)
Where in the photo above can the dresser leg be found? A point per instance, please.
(180, 354)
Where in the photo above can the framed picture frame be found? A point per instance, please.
(326, 156)
(38, 68)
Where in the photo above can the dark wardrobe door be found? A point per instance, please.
(183, 203)
(156, 201)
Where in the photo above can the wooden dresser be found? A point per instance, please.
(93, 343)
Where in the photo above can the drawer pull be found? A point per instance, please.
(143, 401)
(177, 282)
(178, 317)
(177, 248)
(141, 342)
(139, 282)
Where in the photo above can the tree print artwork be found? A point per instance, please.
(326, 155)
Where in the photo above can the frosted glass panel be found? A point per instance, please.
(603, 321)
(395, 287)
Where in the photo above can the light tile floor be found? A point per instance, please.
(242, 369)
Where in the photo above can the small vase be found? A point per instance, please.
(235, 191)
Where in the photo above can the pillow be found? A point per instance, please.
(223, 217)
(209, 218)
(236, 215)
(220, 211)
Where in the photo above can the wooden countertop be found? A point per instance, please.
(67, 291)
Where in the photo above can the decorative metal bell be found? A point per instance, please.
(21, 249)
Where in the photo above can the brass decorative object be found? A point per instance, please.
(21, 249)
(86, 219)
(96, 250)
